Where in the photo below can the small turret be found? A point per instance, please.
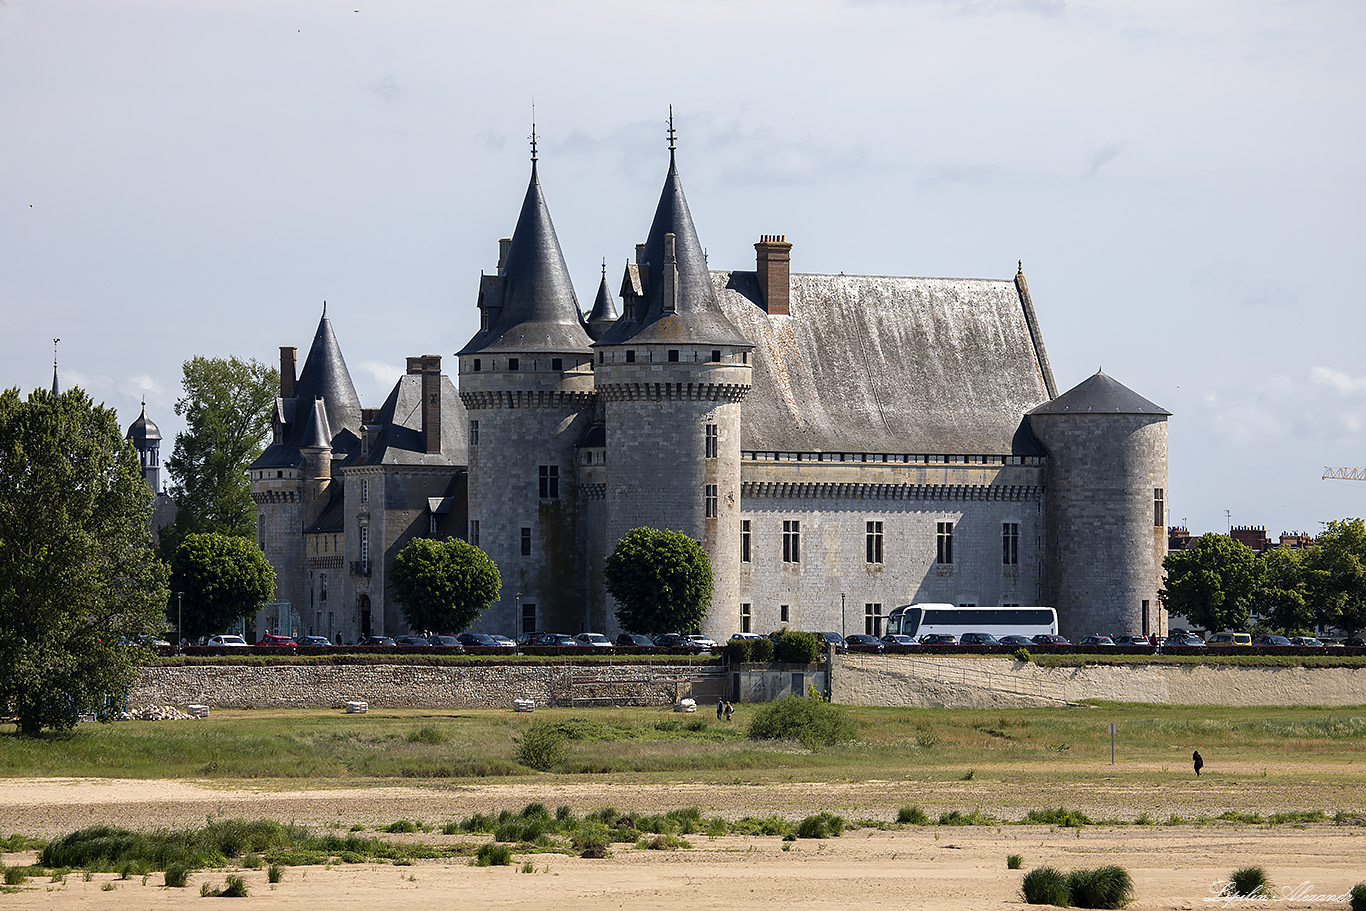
(604, 312)
(147, 438)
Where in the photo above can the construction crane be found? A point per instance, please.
(1344, 474)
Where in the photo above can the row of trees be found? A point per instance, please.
(1221, 584)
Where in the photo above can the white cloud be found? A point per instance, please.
(1337, 380)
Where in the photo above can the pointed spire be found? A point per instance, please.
(324, 376)
(539, 310)
(317, 433)
(55, 390)
(604, 312)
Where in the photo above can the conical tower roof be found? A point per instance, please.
(697, 316)
(143, 430)
(604, 312)
(317, 434)
(1100, 394)
(540, 311)
(325, 377)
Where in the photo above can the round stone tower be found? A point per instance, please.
(1106, 507)
(672, 372)
(526, 380)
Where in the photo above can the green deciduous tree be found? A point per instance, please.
(221, 579)
(443, 585)
(78, 578)
(1282, 596)
(1214, 582)
(227, 408)
(662, 581)
(1335, 576)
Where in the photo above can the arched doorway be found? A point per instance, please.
(365, 616)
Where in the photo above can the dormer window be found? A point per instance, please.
(716, 357)
(557, 363)
(514, 363)
(630, 357)
(477, 365)
(673, 355)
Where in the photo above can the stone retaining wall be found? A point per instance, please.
(414, 686)
(967, 682)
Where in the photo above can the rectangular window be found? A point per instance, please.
(526, 542)
(673, 355)
(322, 586)
(744, 618)
(944, 543)
(792, 541)
(431, 525)
(782, 613)
(711, 499)
(873, 542)
(715, 356)
(1010, 543)
(474, 433)
(557, 363)
(478, 365)
(1159, 507)
(260, 532)
(550, 482)
(474, 532)
(514, 363)
(744, 541)
(365, 490)
(630, 357)
(712, 441)
(872, 619)
(365, 545)
(528, 618)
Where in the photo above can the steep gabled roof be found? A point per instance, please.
(400, 440)
(1100, 394)
(888, 364)
(538, 310)
(698, 317)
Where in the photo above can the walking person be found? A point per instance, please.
(730, 710)
(1198, 761)
(720, 707)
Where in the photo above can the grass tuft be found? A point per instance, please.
(1057, 816)
(1046, 886)
(1014, 861)
(1104, 887)
(822, 825)
(1356, 899)
(1247, 882)
(493, 855)
(912, 816)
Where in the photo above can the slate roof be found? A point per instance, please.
(888, 364)
(143, 429)
(333, 516)
(538, 310)
(699, 318)
(1100, 394)
(604, 312)
(400, 439)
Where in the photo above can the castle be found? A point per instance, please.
(839, 444)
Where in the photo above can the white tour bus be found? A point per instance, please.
(917, 620)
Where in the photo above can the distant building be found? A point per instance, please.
(1251, 536)
(145, 436)
(839, 444)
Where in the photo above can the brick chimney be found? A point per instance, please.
(287, 356)
(429, 367)
(773, 257)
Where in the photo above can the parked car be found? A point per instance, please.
(410, 641)
(1131, 640)
(978, 639)
(474, 640)
(1270, 639)
(1097, 640)
(898, 639)
(1306, 642)
(672, 640)
(701, 642)
(593, 640)
(276, 639)
(551, 640)
(938, 639)
(861, 642)
(834, 640)
(735, 636)
(229, 640)
(375, 640)
(503, 641)
(1229, 639)
(635, 639)
(1189, 639)
(151, 641)
(315, 641)
(441, 640)
(1015, 639)
(1050, 639)
(1354, 642)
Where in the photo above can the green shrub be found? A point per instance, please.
(796, 647)
(234, 887)
(822, 825)
(1104, 887)
(812, 722)
(752, 825)
(401, 826)
(912, 816)
(1057, 816)
(761, 650)
(427, 734)
(1046, 886)
(739, 651)
(592, 837)
(177, 876)
(1143, 819)
(541, 747)
(493, 855)
(16, 876)
(968, 775)
(1014, 861)
(973, 818)
(1022, 655)
(1356, 899)
(275, 873)
(253, 862)
(1249, 881)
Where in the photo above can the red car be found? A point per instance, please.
(273, 639)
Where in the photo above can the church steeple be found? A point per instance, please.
(146, 437)
(55, 390)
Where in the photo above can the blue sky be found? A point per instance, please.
(1183, 182)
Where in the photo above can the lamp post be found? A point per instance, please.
(179, 620)
(843, 624)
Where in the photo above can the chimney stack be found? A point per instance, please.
(429, 367)
(287, 355)
(503, 244)
(773, 261)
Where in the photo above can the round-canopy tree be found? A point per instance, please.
(662, 581)
(79, 581)
(1214, 582)
(443, 585)
(222, 578)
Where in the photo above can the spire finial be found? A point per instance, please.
(324, 309)
(54, 366)
(604, 268)
(1019, 270)
(673, 134)
(533, 140)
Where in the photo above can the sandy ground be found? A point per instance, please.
(914, 868)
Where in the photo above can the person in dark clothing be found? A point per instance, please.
(1199, 762)
(720, 707)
